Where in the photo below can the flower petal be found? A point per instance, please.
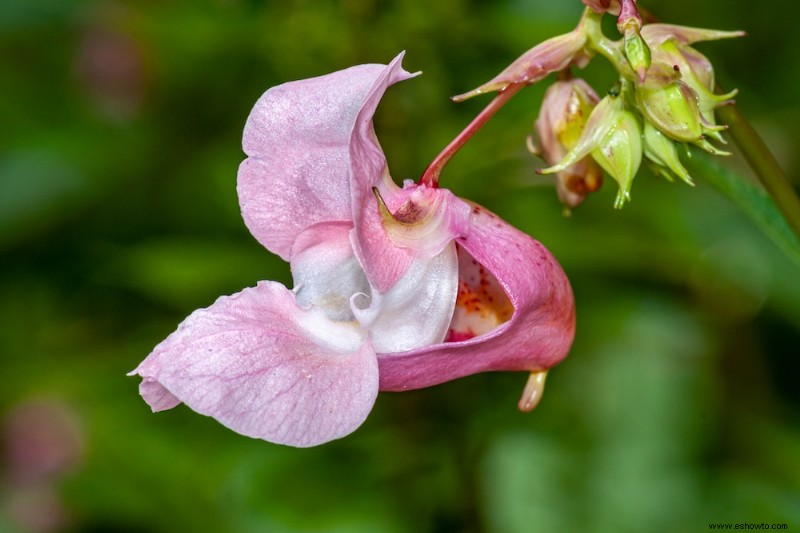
(416, 222)
(326, 273)
(415, 312)
(538, 335)
(156, 396)
(383, 262)
(297, 138)
(266, 368)
(417, 309)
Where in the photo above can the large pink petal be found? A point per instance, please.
(265, 368)
(538, 335)
(297, 138)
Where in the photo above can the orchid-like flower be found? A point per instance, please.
(395, 288)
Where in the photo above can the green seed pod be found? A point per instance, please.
(670, 104)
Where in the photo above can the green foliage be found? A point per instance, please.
(753, 201)
(121, 127)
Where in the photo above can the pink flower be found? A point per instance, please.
(395, 288)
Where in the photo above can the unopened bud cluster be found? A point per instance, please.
(664, 99)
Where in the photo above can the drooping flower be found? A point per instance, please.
(395, 288)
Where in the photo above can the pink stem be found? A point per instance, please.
(431, 175)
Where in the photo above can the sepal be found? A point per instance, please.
(655, 34)
(552, 55)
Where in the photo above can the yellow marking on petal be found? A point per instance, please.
(416, 222)
(410, 215)
(532, 394)
(386, 215)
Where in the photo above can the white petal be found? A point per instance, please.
(417, 310)
(325, 271)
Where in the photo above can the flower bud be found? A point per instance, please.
(613, 137)
(620, 154)
(670, 104)
(636, 50)
(565, 108)
(661, 151)
(637, 53)
(670, 46)
(697, 72)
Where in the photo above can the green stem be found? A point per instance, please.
(599, 43)
(764, 165)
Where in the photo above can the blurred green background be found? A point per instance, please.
(120, 131)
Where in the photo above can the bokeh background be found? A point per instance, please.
(120, 130)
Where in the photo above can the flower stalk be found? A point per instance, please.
(763, 164)
(599, 43)
(431, 175)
